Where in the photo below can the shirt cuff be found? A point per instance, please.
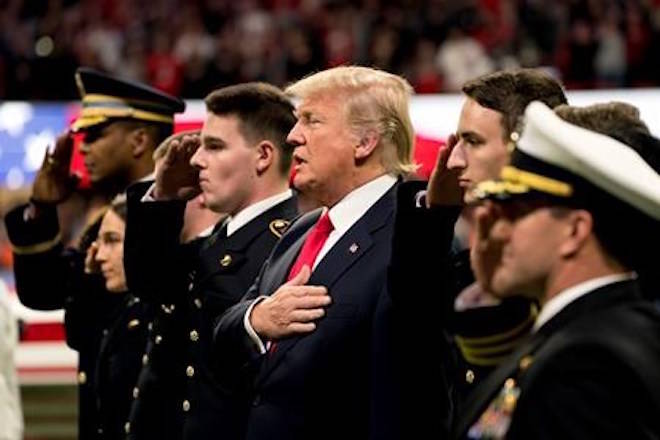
(148, 196)
(248, 327)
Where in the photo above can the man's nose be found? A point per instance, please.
(295, 136)
(457, 159)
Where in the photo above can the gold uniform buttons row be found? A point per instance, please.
(190, 371)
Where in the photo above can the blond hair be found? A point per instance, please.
(373, 100)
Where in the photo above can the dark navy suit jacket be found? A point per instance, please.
(320, 385)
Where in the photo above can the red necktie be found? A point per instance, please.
(310, 250)
(313, 244)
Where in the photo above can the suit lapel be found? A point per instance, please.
(291, 243)
(352, 246)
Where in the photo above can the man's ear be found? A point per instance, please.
(265, 153)
(140, 142)
(367, 144)
(579, 228)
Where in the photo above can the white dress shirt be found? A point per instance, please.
(234, 223)
(567, 296)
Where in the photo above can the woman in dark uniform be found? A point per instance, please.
(125, 333)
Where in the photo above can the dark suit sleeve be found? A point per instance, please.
(421, 253)
(155, 263)
(420, 288)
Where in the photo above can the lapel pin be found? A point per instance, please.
(353, 249)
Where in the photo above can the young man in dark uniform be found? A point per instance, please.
(123, 122)
(240, 162)
(436, 297)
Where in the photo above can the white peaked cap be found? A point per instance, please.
(600, 160)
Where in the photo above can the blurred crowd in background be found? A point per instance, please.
(190, 47)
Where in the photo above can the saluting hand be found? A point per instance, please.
(486, 251)
(91, 265)
(176, 178)
(291, 309)
(443, 188)
(53, 183)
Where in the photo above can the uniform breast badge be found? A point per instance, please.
(279, 227)
(494, 422)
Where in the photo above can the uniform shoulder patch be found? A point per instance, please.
(279, 227)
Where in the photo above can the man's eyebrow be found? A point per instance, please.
(470, 133)
(212, 140)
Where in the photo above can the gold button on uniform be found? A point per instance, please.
(150, 326)
(190, 371)
(226, 260)
(186, 406)
(525, 362)
(194, 336)
(82, 377)
(136, 392)
(469, 376)
(198, 303)
(145, 359)
(127, 427)
(158, 339)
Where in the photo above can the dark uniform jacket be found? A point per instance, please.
(49, 276)
(179, 395)
(118, 364)
(319, 385)
(426, 275)
(591, 371)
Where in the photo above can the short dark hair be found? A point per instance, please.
(509, 92)
(264, 113)
(626, 234)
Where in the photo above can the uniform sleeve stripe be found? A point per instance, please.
(38, 247)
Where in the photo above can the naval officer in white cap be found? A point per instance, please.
(590, 369)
